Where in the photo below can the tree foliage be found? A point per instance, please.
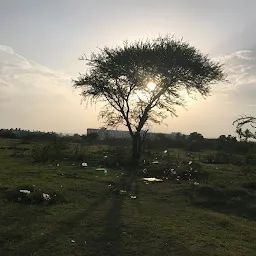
(246, 127)
(118, 77)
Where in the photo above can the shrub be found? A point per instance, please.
(177, 170)
(27, 194)
(44, 153)
(235, 200)
(217, 158)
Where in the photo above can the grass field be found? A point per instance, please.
(167, 218)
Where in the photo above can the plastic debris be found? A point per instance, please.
(190, 162)
(155, 162)
(166, 151)
(72, 241)
(58, 164)
(25, 191)
(100, 169)
(85, 242)
(196, 183)
(133, 197)
(122, 192)
(109, 185)
(105, 156)
(84, 164)
(46, 196)
(152, 179)
(105, 172)
(145, 170)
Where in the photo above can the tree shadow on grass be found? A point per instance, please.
(109, 241)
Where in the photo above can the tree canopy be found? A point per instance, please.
(122, 78)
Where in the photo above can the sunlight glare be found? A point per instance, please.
(151, 86)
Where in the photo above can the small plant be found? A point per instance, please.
(40, 153)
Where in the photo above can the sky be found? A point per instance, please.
(41, 41)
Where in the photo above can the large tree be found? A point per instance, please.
(142, 82)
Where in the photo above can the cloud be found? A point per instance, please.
(240, 67)
(35, 97)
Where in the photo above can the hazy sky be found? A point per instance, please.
(40, 43)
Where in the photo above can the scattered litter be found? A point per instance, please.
(100, 169)
(61, 186)
(73, 164)
(155, 162)
(105, 156)
(58, 164)
(152, 179)
(133, 197)
(196, 183)
(122, 192)
(190, 162)
(25, 191)
(46, 196)
(173, 171)
(177, 179)
(109, 185)
(145, 170)
(85, 242)
(165, 151)
(146, 183)
(105, 172)
(84, 164)
(73, 241)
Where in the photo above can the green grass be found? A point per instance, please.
(162, 220)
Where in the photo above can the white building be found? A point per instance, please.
(104, 133)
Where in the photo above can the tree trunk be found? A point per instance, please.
(136, 148)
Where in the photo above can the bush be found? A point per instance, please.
(176, 170)
(27, 194)
(217, 158)
(235, 200)
(44, 153)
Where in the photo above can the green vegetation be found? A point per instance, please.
(200, 208)
(143, 82)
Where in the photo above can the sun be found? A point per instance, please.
(151, 86)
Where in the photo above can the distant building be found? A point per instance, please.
(104, 133)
